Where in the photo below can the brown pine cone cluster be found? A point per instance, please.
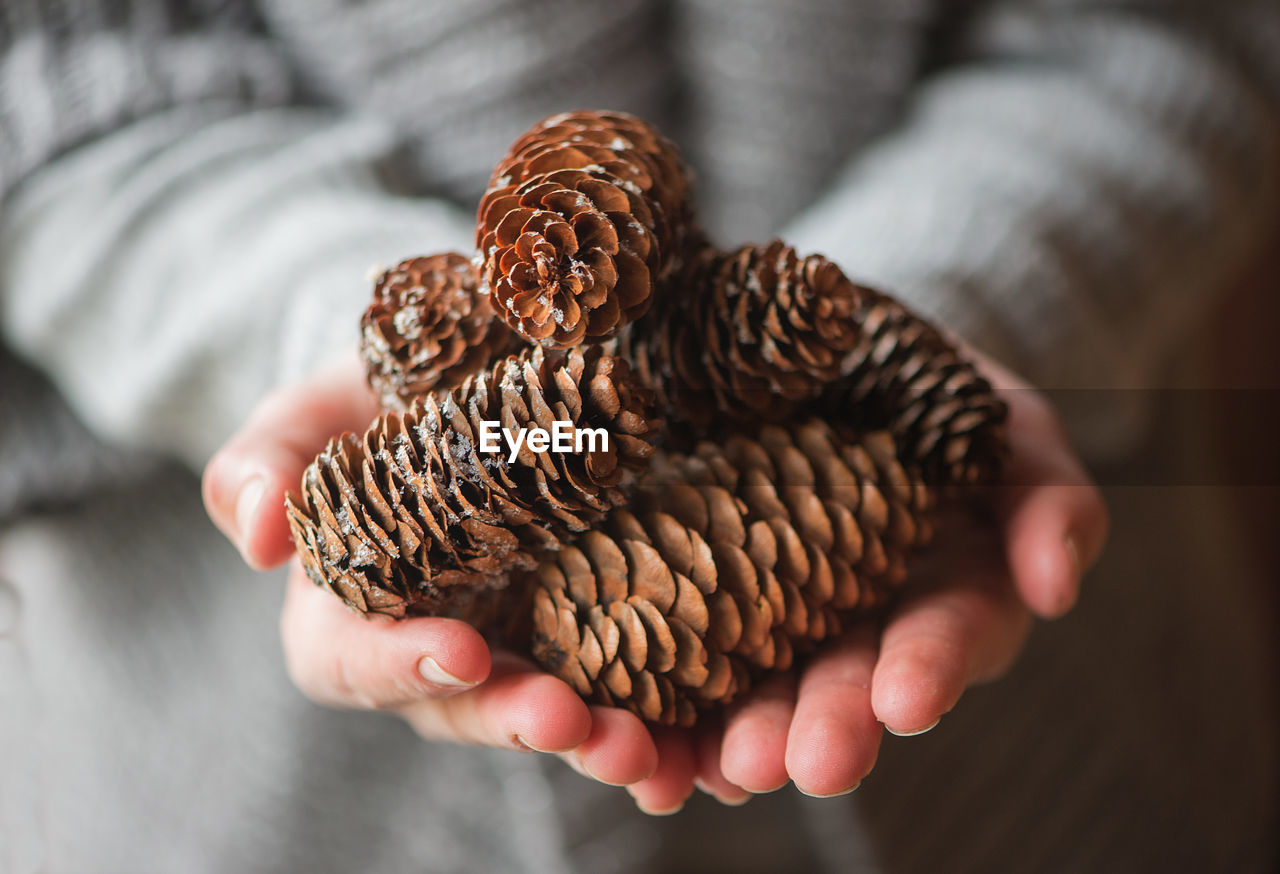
(810, 425)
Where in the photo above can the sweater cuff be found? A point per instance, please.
(357, 238)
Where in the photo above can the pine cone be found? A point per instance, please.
(411, 517)
(904, 375)
(761, 334)
(428, 328)
(756, 334)
(585, 214)
(736, 558)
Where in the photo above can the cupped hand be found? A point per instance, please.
(438, 674)
(963, 616)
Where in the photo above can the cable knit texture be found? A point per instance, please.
(194, 194)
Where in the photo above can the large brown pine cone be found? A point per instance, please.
(412, 515)
(730, 561)
(428, 328)
(585, 214)
(762, 334)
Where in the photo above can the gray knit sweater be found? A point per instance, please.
(194, 194)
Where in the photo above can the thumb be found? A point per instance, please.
(245, 482)
(342, 659)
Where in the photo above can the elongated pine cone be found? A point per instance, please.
(413, 515)
(733, 560)
(904, 375)
(762, 334)
(428, 328)
(585, 214)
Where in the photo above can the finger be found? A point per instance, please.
(518, 707)
(619, 750)
(245, 482)
(835, 736)
(672, 783)
(709, 778)
(1054, 519)
(942, 639)
(753, 752)
(341, 659)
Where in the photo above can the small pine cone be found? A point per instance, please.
(736, 558)
(411, 517)
(756, 334)
(428, 328)
(585, 214)
(762, 334)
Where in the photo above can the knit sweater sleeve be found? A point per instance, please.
(179, 233)
(1074, 187)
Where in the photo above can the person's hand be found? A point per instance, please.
(964, 613)
(963, 619)
(438, 674)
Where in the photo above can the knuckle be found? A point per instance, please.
(328, 681)
(339, 683)
(352, 677)
(439, 721)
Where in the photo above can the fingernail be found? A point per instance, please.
(1067, 598)
(655, 811)
(731, 800)
(837, 794)
(524, 745)
(247, 503)
(1073, 554)
(914, 733)
(574, 761)
(431, 671)
(579, 764)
